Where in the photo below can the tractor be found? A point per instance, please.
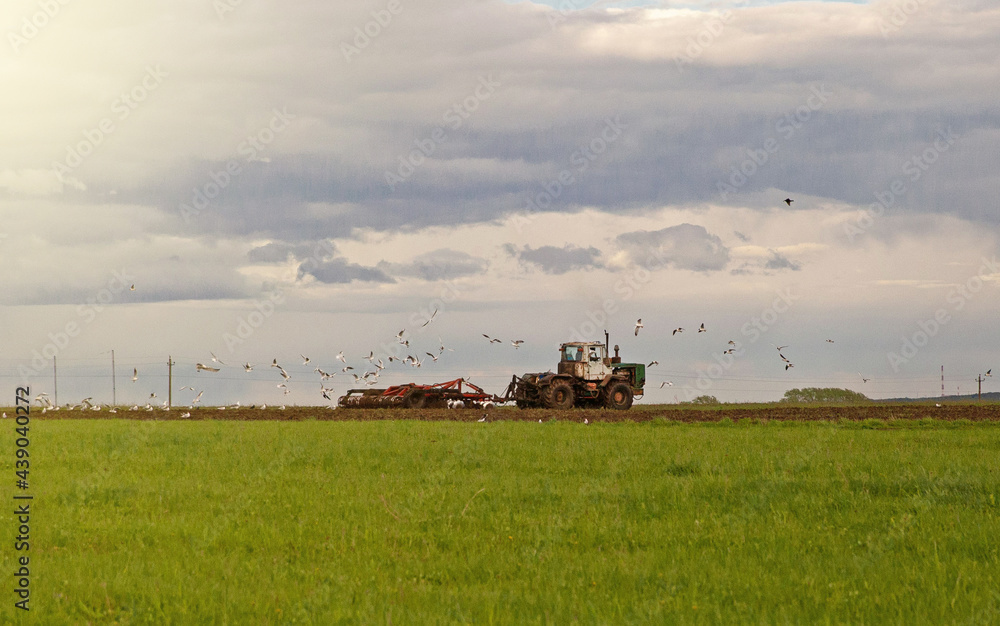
(587, 377)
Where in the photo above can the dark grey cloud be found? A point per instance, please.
(281, 251)
(543, 128)
(554, 260)
(779, 262)
(685, 246)
(340, 271)
(440, 264)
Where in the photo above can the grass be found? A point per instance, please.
(442, 522)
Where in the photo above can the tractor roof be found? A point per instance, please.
(581, 343)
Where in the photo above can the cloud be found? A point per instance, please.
(281, 252)
(553, 260)
(340, 271)
(779, 262)
(443, 264)
(30, 182)
(685, 246)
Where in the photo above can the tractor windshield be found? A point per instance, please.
(572, 353)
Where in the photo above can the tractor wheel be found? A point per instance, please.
(559, 395)
(522, 404)
(414, 399)
(619, 397)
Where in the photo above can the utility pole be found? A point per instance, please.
(170, 382)
(114, 386)
(979, 395)
(942, 381)
(55, 381)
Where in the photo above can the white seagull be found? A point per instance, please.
(638, 325)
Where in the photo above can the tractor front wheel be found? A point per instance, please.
(619, 397)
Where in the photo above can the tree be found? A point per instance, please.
(811, 395)
(703, 400)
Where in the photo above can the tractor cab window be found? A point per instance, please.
(594, 357)
(572, 353)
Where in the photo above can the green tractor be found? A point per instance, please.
(587, 377)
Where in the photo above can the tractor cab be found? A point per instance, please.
(587, 360)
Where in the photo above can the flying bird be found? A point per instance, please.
(732, 343)
(248, 367)
(135, 374)
(829, 340)
(216, 359)
(200, 367)
(666, 382)
(788, 365)
(492, 340)
(988, 372)
(274, 363)
(152, 395)
(677, 330)
(430, 319)
(638, 325)
(340, 357)
(863, 379)
(516, 343)
(652, 363)
(701, 329)
(729, 351)
(132, 287)
(198, 397)
(433, 356)
(305, 359)
(371, 356)
(789, 201)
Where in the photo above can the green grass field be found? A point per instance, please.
(444, 522)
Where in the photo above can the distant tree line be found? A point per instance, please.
(811, 395)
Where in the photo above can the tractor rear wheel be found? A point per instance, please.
(559, 395)
(619, 397)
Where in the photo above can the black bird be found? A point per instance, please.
(789, 201)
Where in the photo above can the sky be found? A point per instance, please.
(280, 182)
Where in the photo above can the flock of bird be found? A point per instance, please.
(733, 346)
(369, 377)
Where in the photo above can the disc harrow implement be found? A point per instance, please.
(458, 393)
